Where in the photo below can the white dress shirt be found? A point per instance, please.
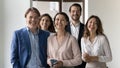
(75, 30)
(100, 47)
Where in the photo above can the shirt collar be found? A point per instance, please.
(31, 32)
(76, 25)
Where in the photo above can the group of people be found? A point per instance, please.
(61, 43)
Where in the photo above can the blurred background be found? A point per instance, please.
(12, 18)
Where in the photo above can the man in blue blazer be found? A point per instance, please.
(75, 27)
(29, 44)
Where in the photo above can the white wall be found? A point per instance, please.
(109, 12)
(1, 34)
(11, 18)
(44, 7)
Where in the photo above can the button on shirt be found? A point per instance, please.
(34, 61)
(75, 30)
(100, 47)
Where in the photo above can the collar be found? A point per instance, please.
(76, 25)
(31, 32)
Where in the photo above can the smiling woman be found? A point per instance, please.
(96, 49)
(46, 23)
(12, 18)
(62, 46)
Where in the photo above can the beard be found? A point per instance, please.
(75, 18)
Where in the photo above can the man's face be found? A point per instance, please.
(32, 20)
(75, 13)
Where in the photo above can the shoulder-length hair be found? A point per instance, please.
(51, 27)
(66, 18)
(99, 30)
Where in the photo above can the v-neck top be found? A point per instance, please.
(68, 52)
(99, 47)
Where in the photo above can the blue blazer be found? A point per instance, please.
(21, 48)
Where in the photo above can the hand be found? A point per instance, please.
(90, 58)
(51, 62)
(87, 57)
(58, 64)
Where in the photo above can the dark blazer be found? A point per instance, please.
(81, 30)
(21, 48)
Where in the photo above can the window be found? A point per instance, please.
(54, 6)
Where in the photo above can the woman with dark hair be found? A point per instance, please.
(46, 23)
(63, 50)
(95, 46)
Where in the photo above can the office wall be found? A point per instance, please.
(11, 18)
(44, 7)
(109, 12)
(41, 6)
(1, 34)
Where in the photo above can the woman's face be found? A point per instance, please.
(44, 23)
(92, 25)
(60, 22)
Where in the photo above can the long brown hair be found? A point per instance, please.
(99, 30)
(66, 18)
(51, 27)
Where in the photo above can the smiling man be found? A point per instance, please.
(29, 44)
(75, 27)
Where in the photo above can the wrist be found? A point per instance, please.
(94, 58)
(61, 63)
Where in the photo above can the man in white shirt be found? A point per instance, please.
(75, 27)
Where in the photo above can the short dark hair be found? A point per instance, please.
(77, 5)
(33, 9)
